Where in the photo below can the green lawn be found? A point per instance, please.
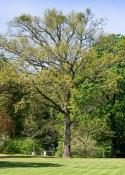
(59, 166)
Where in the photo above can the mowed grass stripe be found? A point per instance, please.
(74, 166)
(116, 166)
(109, 167)
(58, 166)
(92, 167)
(98, 167)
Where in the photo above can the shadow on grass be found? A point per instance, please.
(15, 156)
(7, 164)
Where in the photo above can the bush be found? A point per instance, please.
(80, 148)
(59, 152)
(3, 139)
(12, 147)
(20, 147)
(26, 146)
(89, 149)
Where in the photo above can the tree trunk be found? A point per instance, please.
(67, 150)
(114, 148)
(34, 146)
(114, 139)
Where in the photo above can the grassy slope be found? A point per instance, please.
(58, 166)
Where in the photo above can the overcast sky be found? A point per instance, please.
(113, 10)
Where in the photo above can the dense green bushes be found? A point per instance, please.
(17, 146)
(90, 149)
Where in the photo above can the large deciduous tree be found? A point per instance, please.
(49, 52)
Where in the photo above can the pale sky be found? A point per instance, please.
(113, 10)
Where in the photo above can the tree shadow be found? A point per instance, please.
(35, 156)
(9, 164)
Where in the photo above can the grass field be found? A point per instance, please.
(58, 166)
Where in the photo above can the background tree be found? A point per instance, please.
(10, 93)
(103, 96)
(6, 124)
(31, 130)
(115, 100)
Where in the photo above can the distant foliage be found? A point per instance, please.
(6, 124)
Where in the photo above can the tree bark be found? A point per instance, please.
(114, 139)
(114, 148)
(67, 149)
